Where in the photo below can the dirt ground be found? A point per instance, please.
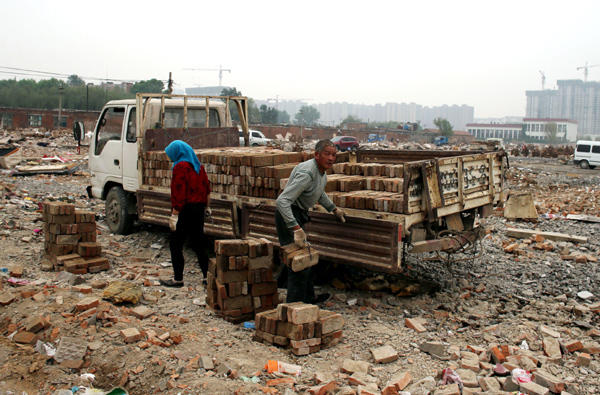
(500, 299)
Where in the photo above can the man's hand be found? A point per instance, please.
(173, 222)
(300, 238)
(207, 212)
(339, 213)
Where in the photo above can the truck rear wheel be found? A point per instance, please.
(584, 164)
(118, 219)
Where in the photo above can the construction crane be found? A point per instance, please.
(220, 70)
(585, 70)
(543, 79)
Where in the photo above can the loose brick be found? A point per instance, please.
(546, 379)
(399, 381)
(414, 324)
(16, 271)
(573, 345)
(35, 324)
(261, 262)
(142, 312)
(328, 322)
(231, 247)
(385, 354)
(83, 288)
(301, 314)
(25, 338)
(131, 335)
(350, 366)
(533, 389)
(88, 303)
(7, 298)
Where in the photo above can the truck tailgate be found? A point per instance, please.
(368, 243)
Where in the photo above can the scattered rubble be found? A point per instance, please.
(524, 321)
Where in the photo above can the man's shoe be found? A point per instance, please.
(322, 298)
(171, 283)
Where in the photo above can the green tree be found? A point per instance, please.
(551, 130)
(307, 115)
(283, 117)
(75, 80)
(253, 112)
(268, 114)
(148, 86)
(230, 92)
(352, 119)
(444, 126)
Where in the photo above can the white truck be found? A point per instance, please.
(432, 205)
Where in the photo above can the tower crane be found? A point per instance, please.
(585, 70)
(220, 70)
(543, 79)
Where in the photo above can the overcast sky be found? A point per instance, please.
(480, 53)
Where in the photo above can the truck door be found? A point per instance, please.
(106, 154)
(130, 153)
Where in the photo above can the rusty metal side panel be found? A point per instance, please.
(404, 156)
(368, 243)
(158, 139)
(154, 207)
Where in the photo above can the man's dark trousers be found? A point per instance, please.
(300, 287)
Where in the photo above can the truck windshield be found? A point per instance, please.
(196, 118)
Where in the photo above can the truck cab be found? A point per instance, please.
(119, 138)
(441, 140)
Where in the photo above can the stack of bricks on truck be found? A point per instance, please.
(70, 239)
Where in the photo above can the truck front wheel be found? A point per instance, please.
(584, 164)
(118, 219)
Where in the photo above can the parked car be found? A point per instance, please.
(345, 143)
(256, 138)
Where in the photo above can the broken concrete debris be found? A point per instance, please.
(519, 301)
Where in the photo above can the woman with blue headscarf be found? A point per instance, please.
(190, 199)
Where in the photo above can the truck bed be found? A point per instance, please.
(384, 193)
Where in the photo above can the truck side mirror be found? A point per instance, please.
(78, 131)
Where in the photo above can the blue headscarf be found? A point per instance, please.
(179, 151)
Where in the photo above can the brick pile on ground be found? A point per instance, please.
(302, 327)
(70, 239)
(240, 279)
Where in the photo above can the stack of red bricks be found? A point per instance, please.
(240, 279)
(304, 328)
(70, 239)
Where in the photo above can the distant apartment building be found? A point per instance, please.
(334, 113)
(483, 131)
(574, 100)
(566, 129)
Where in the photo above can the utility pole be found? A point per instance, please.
(60, 89)
(170, 84)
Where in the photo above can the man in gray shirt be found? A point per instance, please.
(305, 187)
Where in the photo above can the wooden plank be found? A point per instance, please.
(554, 236)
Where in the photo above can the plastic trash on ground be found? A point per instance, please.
(449, 376)
(253, 379)
(522, 376)
(249, 325)
(45, 348)
(282, 367)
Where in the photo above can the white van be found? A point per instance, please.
(256, 138)
(587, 154)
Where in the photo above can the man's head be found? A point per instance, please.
(325, 153)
